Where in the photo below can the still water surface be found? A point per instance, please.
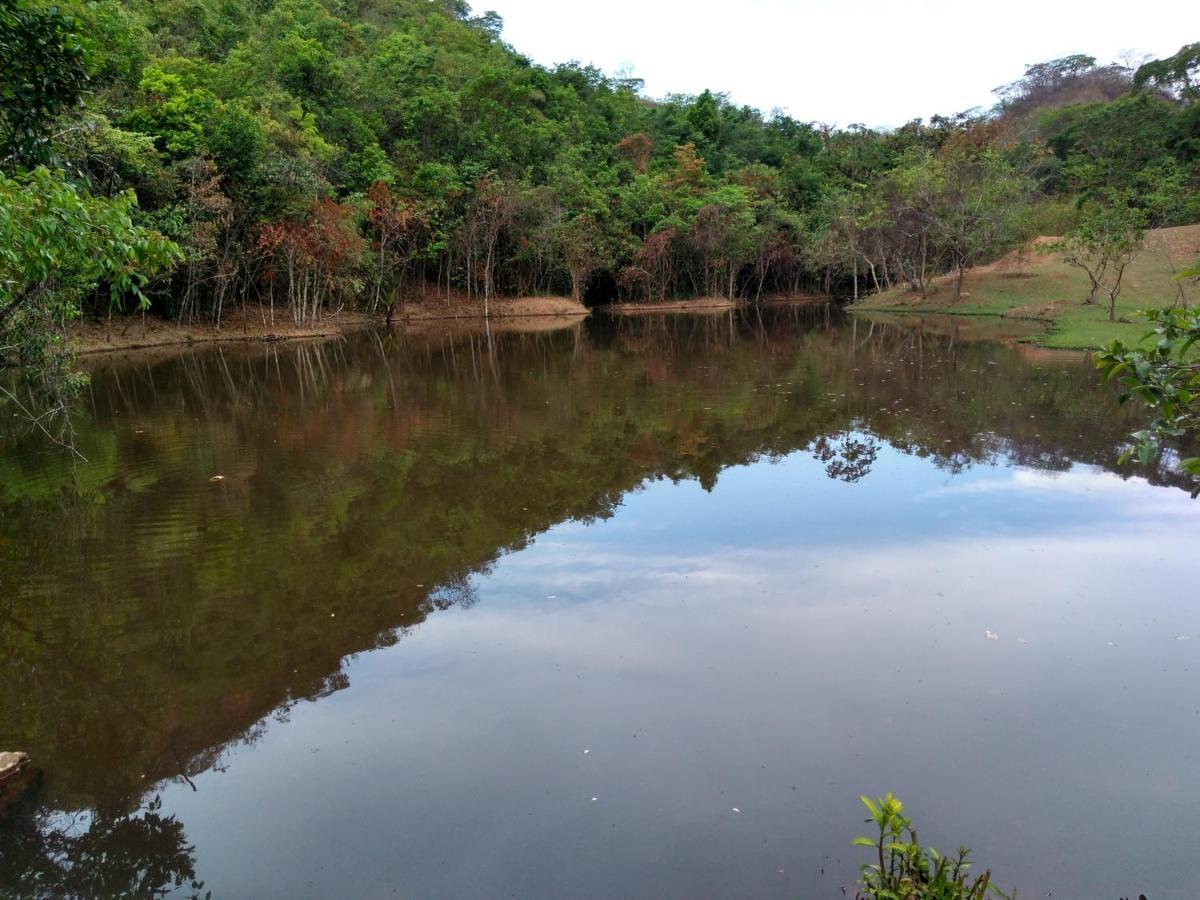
(631, 608)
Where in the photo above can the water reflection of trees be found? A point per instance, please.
(847, 457)
(96, 853)
(368, 480)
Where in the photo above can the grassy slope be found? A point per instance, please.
(1041, 287)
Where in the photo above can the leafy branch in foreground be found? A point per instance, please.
(59, 245)
(1165, 378)
(905, 870)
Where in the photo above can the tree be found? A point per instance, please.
(582, 243)
(704, 116)
(848, 236)
(206, 212)
(690, 173)
(725, 236)
(174, 113)
(910, 193)
(653, 267)
(1109, 237)
(1178, 75)
(57, 246)
(488, 215)
(44, 73)
(636, 149)
(977, 207)
(320, 256)
(399, 228)
(491, 23)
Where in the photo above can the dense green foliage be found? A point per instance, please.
(57, 245)
(43, 75)
(323, 152)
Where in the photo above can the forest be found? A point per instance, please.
(180, 156)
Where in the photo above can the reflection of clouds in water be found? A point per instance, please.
(897, 546)
(575, 573)
(974, 568)
(1133, 496)
(715, 669)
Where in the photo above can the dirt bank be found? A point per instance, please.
(507, 324)
(430, 308)
(697, 304)
(709, 304)
(254, 323)
(133, 332)
(796, 299)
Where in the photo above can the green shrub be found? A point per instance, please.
(904, 870)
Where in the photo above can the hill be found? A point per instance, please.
(1031, 283)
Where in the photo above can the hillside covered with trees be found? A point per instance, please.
(314, 154)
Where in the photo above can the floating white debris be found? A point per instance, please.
(736, 810)
(586, 752)
(991, 635)
(594, 799)
(217, 478)
(1183, 637)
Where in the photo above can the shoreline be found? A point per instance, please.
(699, 304)
(1027, 286)
(709, 304)
(90, 337)
(96, 337)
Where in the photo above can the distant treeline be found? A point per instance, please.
(320, 153)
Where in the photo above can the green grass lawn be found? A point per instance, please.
(1049, 291)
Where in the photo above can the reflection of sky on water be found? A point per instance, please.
(777, 646)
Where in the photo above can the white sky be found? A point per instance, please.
(876, 62)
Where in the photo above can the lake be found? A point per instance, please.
(634, 607)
